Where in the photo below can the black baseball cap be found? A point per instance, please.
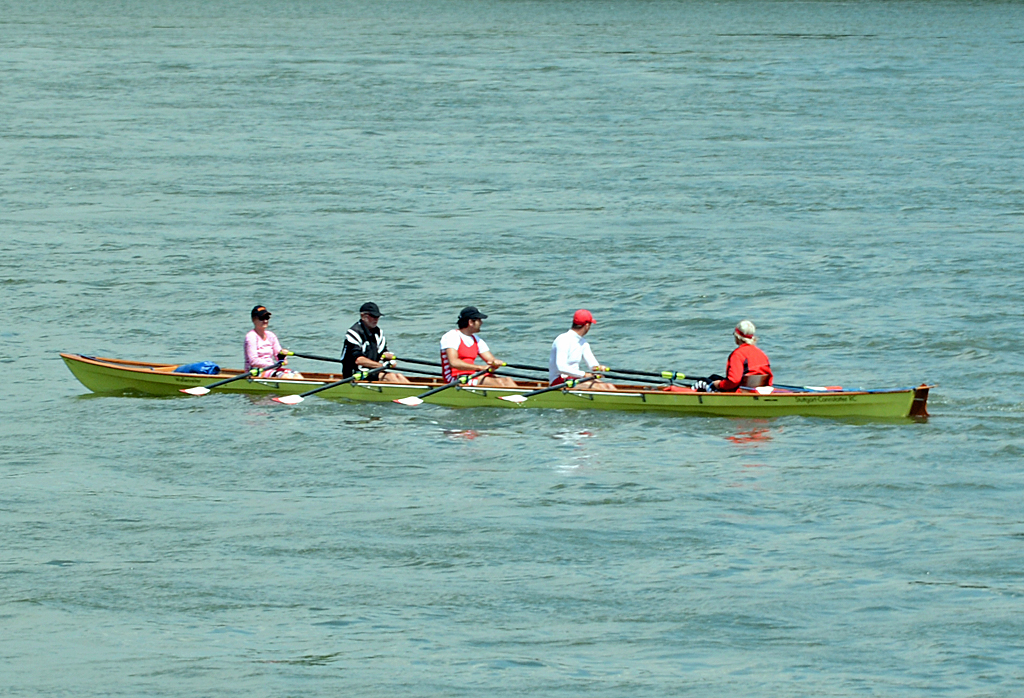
(470, 312)
(260, 312)
(370, 309)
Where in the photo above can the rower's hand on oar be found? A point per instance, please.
(703, 386)
(520, 398)
(357, 376)
(495, 365)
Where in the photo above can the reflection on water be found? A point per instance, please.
(752, 433)
(457, 434)
(573, 437)
(575, 440)
(262, 401)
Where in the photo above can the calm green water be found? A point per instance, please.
(847, 175)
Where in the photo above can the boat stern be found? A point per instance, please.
(919, 407)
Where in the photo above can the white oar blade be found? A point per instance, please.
(198, 391)
(289, 399)
(518, 399)
(411, 401)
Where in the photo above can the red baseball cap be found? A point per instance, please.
(583, 317)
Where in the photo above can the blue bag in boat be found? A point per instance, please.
(207, 367)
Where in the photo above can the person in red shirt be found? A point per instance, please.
(460, 349)
(748, 366)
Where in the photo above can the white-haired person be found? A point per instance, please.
(747, 367)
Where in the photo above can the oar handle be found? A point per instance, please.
(250, 373)
(667, 375)
(255, 371)
(358, 376)
(421, 362)
(522, 376)
(432, 374)
(311, 356)
(461, 380)
(526, 367)
(663, 379)
(565, 385)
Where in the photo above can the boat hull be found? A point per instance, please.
(104, 375)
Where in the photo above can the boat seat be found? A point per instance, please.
(752, 380)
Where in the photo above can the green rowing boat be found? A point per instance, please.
(118, 376)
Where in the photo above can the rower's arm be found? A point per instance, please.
(566, 368)
(489, 358)
(455, 362)
(733, 374)
(588, 356)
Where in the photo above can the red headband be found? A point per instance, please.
(745, 336)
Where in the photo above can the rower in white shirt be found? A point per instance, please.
(569, 349)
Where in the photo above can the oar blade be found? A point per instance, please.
(517, 399)
(411, 401)
(289, 399)
(198, 391)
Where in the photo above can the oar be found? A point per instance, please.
(316, 357)
(510, 375)
(638, 379)
(566, 385)
(414, 400)
(504, 373)
(201, 390)
(421, 362)
(802, 388)
(312, 356)
(528, 368)
(432, 374)
(296, 399)
(667, 375)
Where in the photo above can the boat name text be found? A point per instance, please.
(827, 398)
